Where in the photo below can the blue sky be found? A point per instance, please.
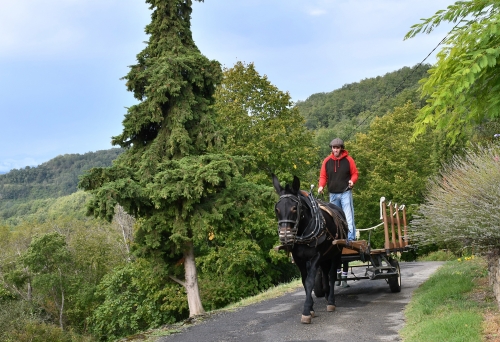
(61, 60)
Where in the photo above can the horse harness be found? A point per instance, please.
(316, 226)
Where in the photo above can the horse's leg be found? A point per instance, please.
(308, 311)
(303, 266)
(335, 264)
(325, 271)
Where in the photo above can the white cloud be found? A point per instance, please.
(316, 12)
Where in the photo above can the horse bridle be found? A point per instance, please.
(317, 220)
(295, 228)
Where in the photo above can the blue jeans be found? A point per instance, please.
(344, 200)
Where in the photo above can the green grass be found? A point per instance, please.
(272, 292)
(447, 306)
(438, 256)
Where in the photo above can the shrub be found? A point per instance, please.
(136, 297)
(462, 205)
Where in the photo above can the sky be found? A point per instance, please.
(61, 61)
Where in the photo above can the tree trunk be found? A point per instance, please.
(191, 284)
(30, 291)
(61, 307)
(126, 224)
(61, 325)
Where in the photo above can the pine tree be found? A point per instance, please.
(169, 173)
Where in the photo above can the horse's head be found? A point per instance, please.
(288, 210)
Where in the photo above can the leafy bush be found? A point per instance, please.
(462, 206)
(20, 323)
(441, 255)
(136, 297)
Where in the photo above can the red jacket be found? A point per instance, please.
(336, 172)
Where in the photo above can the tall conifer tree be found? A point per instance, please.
(167, 175)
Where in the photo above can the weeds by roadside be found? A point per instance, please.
(455, 304)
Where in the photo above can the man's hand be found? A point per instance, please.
(351, 184)
(320, 190)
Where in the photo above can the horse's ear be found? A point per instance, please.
(296, 184)
(277, 185)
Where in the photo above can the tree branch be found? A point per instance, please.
(178, 281)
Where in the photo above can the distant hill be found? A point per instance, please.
(56, 178)
(324, 110)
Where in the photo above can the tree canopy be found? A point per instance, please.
(464, 83)
(259, 120)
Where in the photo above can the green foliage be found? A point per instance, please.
(259, 120)
(135, 297)
(441, 255)
(49, 209)
(461, 206)
(391, 166)
(236, 260)
(19, 322)
(463, 85)
(345, 105)
(72, 261)
(49, 262)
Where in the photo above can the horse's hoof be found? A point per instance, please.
(305, 319)
(330, 308)
(312, 314)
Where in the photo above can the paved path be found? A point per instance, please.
(366, 311)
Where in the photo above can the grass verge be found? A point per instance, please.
(455, 304)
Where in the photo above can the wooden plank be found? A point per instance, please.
(386, 225)
(398, 221)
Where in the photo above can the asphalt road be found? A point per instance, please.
(366, 311)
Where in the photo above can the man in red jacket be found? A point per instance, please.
(339, 174)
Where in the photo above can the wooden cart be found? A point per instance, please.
(380, 263)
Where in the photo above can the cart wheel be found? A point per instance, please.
(395, 281)
(319, 290)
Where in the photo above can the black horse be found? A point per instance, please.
(308, 229)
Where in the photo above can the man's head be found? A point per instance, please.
(337, 145)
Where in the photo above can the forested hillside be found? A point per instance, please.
(323, 110)
(22, 189)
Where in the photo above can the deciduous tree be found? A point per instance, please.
(260, 120)
(464, 83)
(49, 260)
